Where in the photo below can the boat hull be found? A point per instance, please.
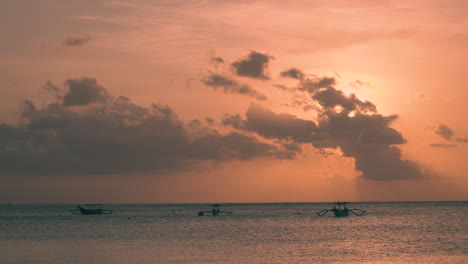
(84, 211)
(341, 213)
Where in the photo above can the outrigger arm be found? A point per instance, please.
(361, 212)
(323, 212)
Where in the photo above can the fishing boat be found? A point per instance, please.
(90, 209)
(214, 210)
(340, 210)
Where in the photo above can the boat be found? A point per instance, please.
(214, 210)
(90, 209)
(340, 210)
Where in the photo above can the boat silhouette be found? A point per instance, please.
(214, 210)
(90, 209)
(340, 210)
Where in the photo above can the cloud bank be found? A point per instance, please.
(89, 132)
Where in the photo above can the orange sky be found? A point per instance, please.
(407, 58)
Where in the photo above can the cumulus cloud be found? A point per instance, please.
(232, 86)
(293, 73)
(274, 126)
(253, 66)
(89, 131)
(315, 83)
(444, 131)
(84, 91)
(76, 41)
(345, 122)
(331, 97)
(115, 136)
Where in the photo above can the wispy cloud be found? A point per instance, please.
(76, 41)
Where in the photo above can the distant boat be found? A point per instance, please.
(340, 210)
(90, 209)
(214, 210)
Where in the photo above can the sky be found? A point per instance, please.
(233, 101)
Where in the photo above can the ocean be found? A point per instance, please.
(390, 232)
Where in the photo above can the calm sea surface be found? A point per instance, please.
(394, 232)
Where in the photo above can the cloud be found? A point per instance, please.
(315, 83)
(88, 131)
(231, 86)
(115, 136)
(49, 86)
(84, 91)
(358, 84)
(462, 140)
(442, 145)
(346, 123)
(283, 87)
(217, 60)
(331, 97)
(76, 41)
(293, 73)
(253, 66)
(274, 126)
(209, 120)
(363, 134)
(445, 132)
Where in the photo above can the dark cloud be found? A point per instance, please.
(293, 73)
(253, 66)
(76, 41)
(49, 86)
(232, 86)
(361, 133)
(84, 91)
(445, 132)
(116, 136)
(442, 145)
(235, 121)
(356, 129)
(315, 83)
(331, 97)
(274, 126)
(369, 139)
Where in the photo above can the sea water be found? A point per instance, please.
(391, 232)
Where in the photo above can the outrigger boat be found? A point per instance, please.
(90, 211)
(340, 210)
(214, 211)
